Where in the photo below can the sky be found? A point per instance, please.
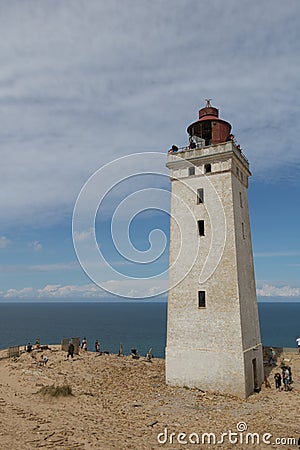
(85, 84)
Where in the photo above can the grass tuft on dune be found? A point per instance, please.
(56, 391)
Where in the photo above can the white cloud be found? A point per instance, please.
(49, 291)
(267, 290)
(4, 242)
(84, 235)
(83, 83)
(143, 288)
(276, 254)
(27, 292)
(146, 288)
(36, 245)
(39, 267)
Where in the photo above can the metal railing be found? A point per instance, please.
(200, 145)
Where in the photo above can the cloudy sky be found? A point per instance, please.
(83, 83)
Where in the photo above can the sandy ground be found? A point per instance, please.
(121, 403)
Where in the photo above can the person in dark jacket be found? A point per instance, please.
(70, 350)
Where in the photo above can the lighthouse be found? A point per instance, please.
(213, 334)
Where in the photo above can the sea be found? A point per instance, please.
(134, 324)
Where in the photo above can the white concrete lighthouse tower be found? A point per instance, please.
(213, 335)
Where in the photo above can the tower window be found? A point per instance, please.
(207, 168)
(241, 200)
(200, 196)
(201, 227)
(201, 299)
(192, 170)
(243, 230)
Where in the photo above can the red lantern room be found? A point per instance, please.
(209, 127)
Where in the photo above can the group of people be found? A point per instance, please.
(29, 346)
(231, 138)
(83, 346)
(43, 359)
(285, 377)
(196, 141)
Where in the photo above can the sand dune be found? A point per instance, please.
(121, 403)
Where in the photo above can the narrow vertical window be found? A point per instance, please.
(207, 168)
(256, 386)
(201, 299)
(192, 170)
(241, 200)
(201, 227)
(200, 196)
(243, 230)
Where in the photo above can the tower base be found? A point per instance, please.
(239, 374)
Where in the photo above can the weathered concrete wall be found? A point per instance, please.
(214, 371)
(246, 279)
(212, 347)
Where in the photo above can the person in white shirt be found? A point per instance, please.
(298, 342)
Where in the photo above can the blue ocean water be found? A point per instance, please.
(139, 324)
(142, 325)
